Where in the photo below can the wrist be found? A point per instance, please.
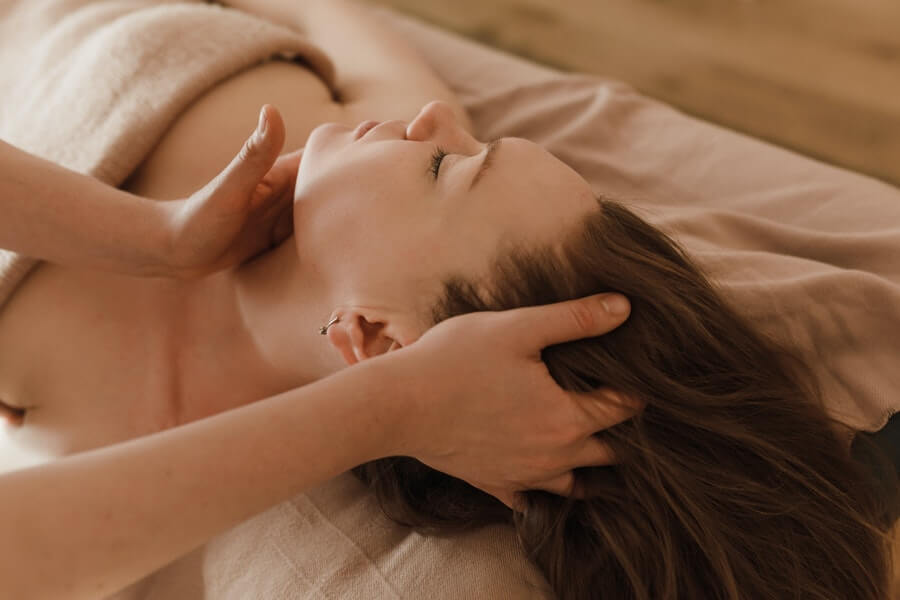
(391, 400)
(165, 251)
(128, 236)
(156, 242)
(408, 401)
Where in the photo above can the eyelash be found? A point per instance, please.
(436, 159)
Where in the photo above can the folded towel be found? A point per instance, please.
(94, 85)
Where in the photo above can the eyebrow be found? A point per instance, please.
(492, 147)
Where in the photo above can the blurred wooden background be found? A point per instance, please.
(821, 77)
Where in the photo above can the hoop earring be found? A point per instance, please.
(324, 329)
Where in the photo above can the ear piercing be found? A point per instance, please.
(324, 328)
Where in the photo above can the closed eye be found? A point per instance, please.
(436, 159)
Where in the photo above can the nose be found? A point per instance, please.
(436, 122)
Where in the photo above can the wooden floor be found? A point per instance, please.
(818, 76)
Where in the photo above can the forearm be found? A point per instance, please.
(55, 214)
(92, 523)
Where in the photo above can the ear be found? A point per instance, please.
(358, 336)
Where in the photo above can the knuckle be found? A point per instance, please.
(542, 465)
(623, 405)
(583, 316)
(622, 398)
(246, 151)
(249, 149)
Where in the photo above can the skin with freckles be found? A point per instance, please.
(388, 210)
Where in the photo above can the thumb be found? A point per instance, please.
(256, 157)
(573, 319)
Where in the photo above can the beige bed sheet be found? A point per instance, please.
(808, 250)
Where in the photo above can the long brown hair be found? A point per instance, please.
(733, 482)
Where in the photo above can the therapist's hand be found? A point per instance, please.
(486, 410)
(247, 209)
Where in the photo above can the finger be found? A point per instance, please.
(573, 319)
(562, 485)
(511, 499)
(276, 189)
(261, 194)
(604, 408)
(290, 161)
(284, 225)
(241, 177)
(593, 453)
(283, 174)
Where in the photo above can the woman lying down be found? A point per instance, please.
(732, 483)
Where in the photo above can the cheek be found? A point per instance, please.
(361, 211)
(329, 221)
(347, 221)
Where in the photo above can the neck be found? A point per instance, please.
(254, 332)
(282, 303)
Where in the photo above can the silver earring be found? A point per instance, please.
(324, 329)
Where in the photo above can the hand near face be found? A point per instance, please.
(245, 210)
(486, 410)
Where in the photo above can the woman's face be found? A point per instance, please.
(388, 210)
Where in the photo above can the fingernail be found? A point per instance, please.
(616, 304)
(263, 123)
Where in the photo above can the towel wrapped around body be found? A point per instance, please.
(93, 86)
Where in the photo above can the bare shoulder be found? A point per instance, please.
(379, 75)
(207, 135)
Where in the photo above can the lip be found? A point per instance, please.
(364, 128)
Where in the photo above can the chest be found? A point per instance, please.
(86, 355)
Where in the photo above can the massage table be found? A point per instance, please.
(807, 250)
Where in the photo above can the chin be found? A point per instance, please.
(326, 136)
(323, 143)
(310, 231)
